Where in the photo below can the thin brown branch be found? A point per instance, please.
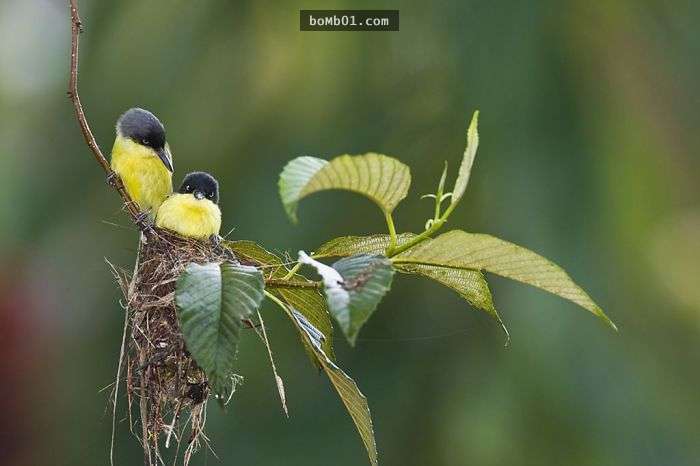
(114, 180)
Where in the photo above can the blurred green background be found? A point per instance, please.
(589, 155)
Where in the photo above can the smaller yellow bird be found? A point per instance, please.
(193, 211)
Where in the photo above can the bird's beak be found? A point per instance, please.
(199, 195)
(165, 157)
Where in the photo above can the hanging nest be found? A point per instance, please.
(162, 379)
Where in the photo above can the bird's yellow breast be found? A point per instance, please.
(145, 178)
(190, 217)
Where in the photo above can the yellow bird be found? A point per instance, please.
(141, 157)
(193, 211)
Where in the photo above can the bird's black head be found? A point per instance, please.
(201, 185)
(142, 127)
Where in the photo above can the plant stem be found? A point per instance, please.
(286, 283)
(438, 221)
(438, 195)
(277, 301)
(392, 232)
(418, 239)
(437, 208)
(449, 210)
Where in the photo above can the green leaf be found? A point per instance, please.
(465, 168)
(354, 287)
(354, 401)
(349, 245)
(295, 176)
(469, 284)
(458, 249)
(382, 179)
(308, 301)
(211, 300)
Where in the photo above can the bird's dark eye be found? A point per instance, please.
(210, 195)
(145, 142)
(188, 188)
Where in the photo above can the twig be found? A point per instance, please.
(143, 405)
(282, 283)
(121, 356)
(114, 180)
(278, 379)
(116, 387)
(171, 427)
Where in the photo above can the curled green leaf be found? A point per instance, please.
(465, 168)
(294, 178)
(382, 179)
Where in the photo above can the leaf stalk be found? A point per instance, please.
(392, 230)
(391, 252)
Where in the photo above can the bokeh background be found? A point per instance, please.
(589, 155)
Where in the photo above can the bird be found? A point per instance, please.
(193, 211)
(141, 158)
